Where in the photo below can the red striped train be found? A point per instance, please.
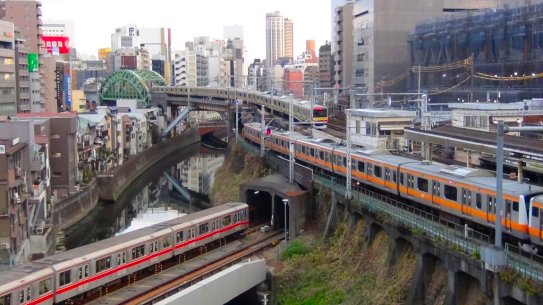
(468, 194)
(82, 271)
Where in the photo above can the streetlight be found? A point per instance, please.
(285, 202)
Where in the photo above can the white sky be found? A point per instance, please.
(95, 21)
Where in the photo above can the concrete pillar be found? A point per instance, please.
(520, 171)
(392, 251)
(332, 215)
(417, 291)
(371, 230)
(468, 158)
(450, 298)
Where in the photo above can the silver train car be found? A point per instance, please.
(301, 109)
(82, 270)
(467, 193)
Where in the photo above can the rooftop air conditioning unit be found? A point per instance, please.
(4, 246)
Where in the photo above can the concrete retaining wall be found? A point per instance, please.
(73, 208)
(112, 185)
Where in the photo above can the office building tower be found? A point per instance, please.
(289, 39)
(8, 102)
(275, 37)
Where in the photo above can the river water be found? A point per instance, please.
(157, 201)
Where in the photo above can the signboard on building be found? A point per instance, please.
(51, 43)
(129, 62)
(68, 91)
(33, 62)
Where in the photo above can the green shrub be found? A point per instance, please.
(296, 247)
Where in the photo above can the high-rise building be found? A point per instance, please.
(343, 44)
(326, 66)
(190, 68)
(334, 4)
(289, 39)
(26, 15)
(8, 102)
(275, 37)
(22, 77)
(380, 49)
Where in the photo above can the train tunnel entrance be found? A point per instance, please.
(276, 203)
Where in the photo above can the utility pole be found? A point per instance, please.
(349, 144)
(495, 257)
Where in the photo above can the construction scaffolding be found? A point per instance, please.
(505, 46)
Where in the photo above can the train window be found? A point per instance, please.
(535, 212)
(22, 296)
(44, 286)
(450, 192)
(28, 293)
(203, 228)
(410, 181)
(478, 201)
(344, 161)
(213, 225)
(327, 157)
(192, 232)
(321, 155)
(5, 300)
(303, 150)
(377, 171)
(138, 251)
(361, 166)
(422, 184)
(104, 264)
(80, 273)
(370, 169)
(166, 242)
(491, 202)
(226, 220)
(178, 237)
(394, 177)
(86, 271)
(402, 179)
(515, 206)
(312, 152)
(118, 261)
(64, 278)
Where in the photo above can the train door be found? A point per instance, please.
(507, 212)
(466, 201)
(436, 192)
(490, 209)
(388, 178)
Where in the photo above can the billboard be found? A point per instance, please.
(129, 62)
(33, 62)
(56, 44)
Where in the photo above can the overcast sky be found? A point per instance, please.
(95, 21)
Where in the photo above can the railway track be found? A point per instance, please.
(336, 127)
(182, 275)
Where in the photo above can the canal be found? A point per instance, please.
(151, 198)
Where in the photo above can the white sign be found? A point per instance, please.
(2, 149)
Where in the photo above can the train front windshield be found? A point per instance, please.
(320, 112)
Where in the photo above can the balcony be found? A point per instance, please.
(38, 190)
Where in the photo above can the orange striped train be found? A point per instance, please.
(74, 274)
(467, 193)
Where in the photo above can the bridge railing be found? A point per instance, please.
(418, 221)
